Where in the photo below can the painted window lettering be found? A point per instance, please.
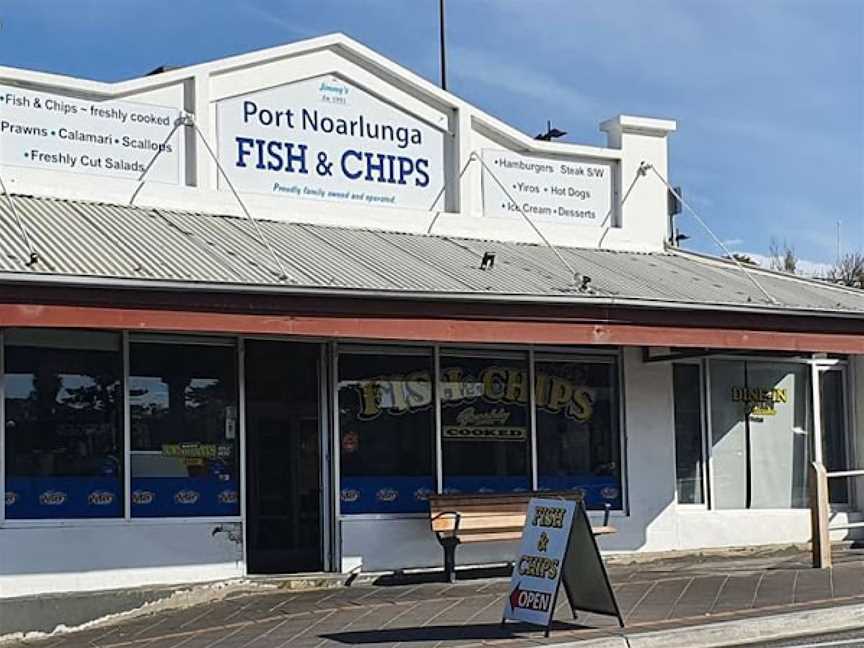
(399, 394)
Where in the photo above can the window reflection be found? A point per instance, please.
(183, 406)
(386, 428)
(64, 454)
(485, 425)
(578, 440)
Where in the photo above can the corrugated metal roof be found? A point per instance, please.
(76, 239)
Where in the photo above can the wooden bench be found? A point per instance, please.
(459, 519)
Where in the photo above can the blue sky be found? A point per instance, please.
(768, 94)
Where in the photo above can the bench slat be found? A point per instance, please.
(504, 536)
(449, 522)
(481, 509)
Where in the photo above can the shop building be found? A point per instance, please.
(339, 289)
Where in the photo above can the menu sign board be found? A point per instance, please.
(108, 138)
(327, 139)
(558, 547)
(537, 574)
(546, 189)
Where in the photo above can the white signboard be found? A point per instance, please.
(108, 138)
(540, 562)
(546, 189)
(327, 139)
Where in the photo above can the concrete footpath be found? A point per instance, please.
(692, 602)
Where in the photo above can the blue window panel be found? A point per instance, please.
(486, 484)
(45, 498)
(598, 490)
(385, 494)
(184, 497)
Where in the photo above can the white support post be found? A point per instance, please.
(816, 398)
(821, 539)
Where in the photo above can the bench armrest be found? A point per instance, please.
(455, 514)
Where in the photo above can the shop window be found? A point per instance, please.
(183, 407)
(485, 424)
(578, 438)
(688, 433)
(760, 433)
(63, 422)
(387, 433)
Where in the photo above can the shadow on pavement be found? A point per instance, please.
(437, 576)
(478, 632)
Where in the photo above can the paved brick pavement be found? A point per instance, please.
(652, 596)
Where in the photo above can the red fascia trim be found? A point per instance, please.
(444, 330)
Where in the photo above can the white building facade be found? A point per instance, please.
(254, 311)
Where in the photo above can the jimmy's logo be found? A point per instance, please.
(11, 498)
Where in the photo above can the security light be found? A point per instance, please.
(488, 261)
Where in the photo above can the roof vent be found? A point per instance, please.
(488, 261)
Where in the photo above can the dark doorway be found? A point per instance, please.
(283, 457)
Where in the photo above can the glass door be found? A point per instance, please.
(283, 457)
(760, 433)
(834, 437)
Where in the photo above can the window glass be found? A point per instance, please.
(183, 402)
(688, 433)
(578, 446)
(760, 429)
(64, 438)
(387, 433)
(485, 425)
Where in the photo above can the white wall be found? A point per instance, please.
(92, 555)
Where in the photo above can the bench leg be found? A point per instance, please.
(450, 545)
